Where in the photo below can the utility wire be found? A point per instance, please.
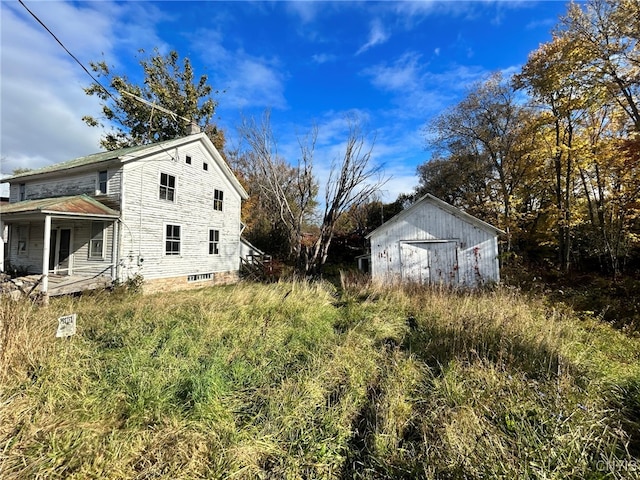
(96, 80)
(67, 50)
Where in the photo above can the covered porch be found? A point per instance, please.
(69, 243)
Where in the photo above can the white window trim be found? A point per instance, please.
(19, 230)
(106, 183)
(164, 239)
(175, 187)
(210, 242)
(221, 209)
(103, 241)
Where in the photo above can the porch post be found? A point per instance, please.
(3, 242)
(45, 255)
(115, 248)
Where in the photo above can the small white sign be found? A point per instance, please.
(66, 326)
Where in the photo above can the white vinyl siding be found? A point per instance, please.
(432, 246)
(70, 184)
(145, 214)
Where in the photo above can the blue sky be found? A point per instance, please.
(395, 65)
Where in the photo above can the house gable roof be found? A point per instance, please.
(129, 154)
(456, 212)
(77, 205)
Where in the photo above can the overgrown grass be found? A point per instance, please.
(303, 380)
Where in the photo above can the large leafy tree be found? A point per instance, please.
(555, 84)
(172, 99)
(483, 136)
(610, 31)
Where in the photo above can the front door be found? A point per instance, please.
(60, 251)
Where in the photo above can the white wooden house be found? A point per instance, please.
(434, 243)
(168, 211)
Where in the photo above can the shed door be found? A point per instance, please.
(429, 262)
(414, 263)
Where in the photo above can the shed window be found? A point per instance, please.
(96, 245)
(218, 197)
(102, 182)
(172, 240)
(167, 187)
(214, 242)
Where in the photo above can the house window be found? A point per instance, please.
(23, 192)
(102, 182)
(188, 159)
(214, 242)
(205, 166)
(167, 187)
(217, 199)
(96, 244)
(23, 239)
(172, 240)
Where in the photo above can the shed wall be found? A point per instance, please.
(476, 250)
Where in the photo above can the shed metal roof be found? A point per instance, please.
(444, 206)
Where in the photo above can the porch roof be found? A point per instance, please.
(78, 206)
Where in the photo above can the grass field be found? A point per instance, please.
(305, 380)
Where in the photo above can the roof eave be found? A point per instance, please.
(36, 174)
(445, 206)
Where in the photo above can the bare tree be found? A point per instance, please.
(353, 180)
(290, 191)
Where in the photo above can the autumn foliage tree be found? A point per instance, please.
(566, 159)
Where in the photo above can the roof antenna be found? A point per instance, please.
(193, 127)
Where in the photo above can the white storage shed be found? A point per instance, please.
(435, 243)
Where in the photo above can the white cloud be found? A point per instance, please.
(41, 96)
(305, 11)
(321, 58)
(377, 35)
(249, 82)
(400, 75)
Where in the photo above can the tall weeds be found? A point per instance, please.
(300, 380)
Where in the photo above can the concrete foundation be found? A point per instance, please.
(172, 284)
